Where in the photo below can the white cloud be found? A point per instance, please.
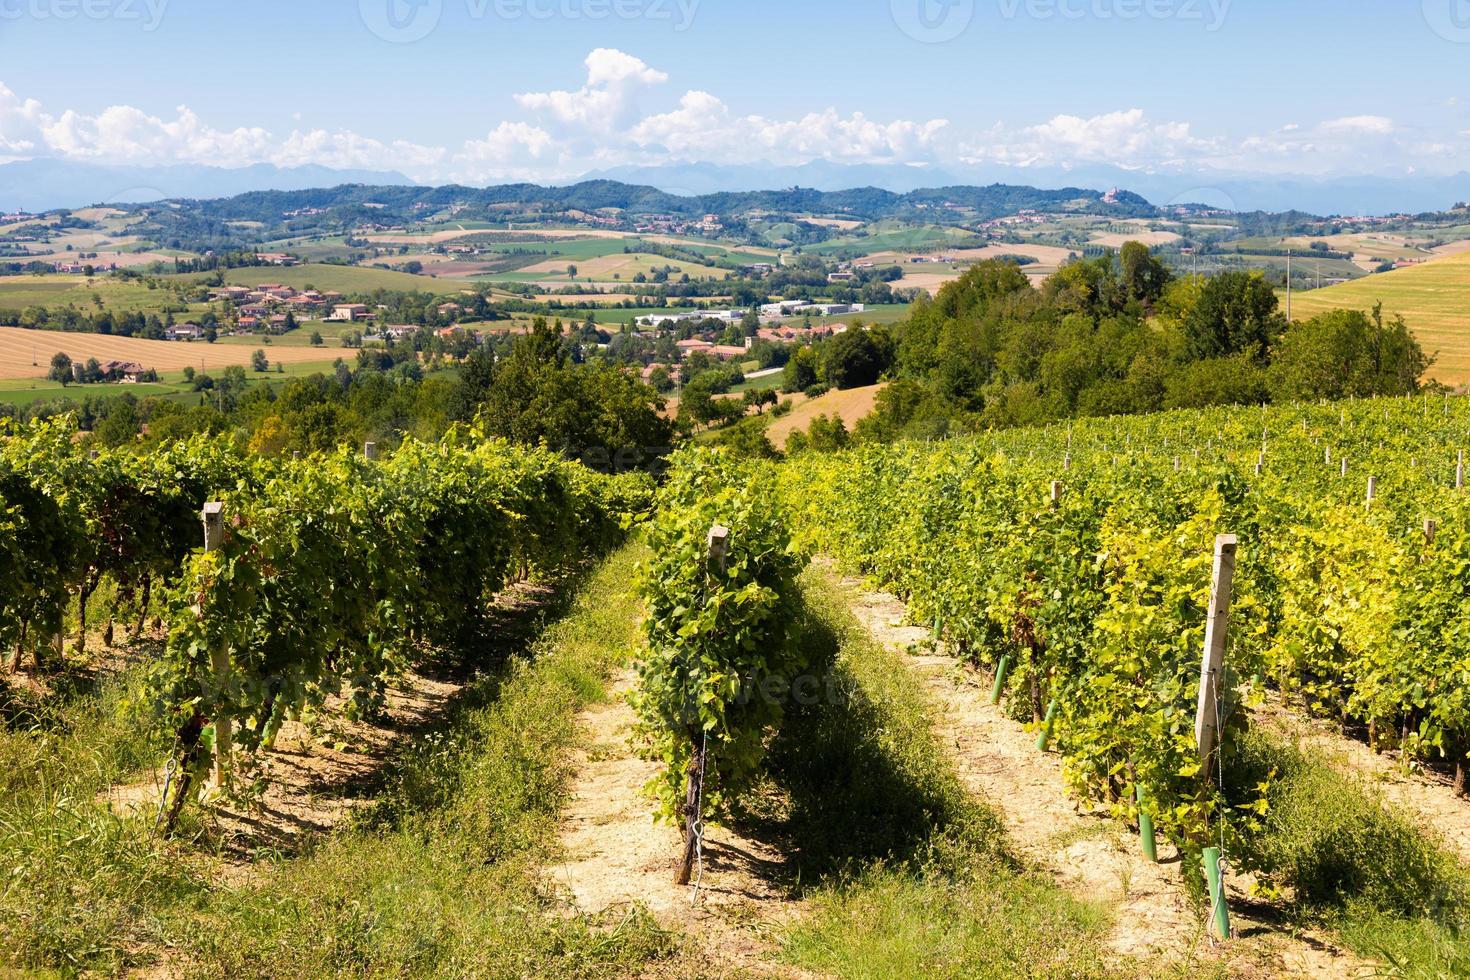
(621, 115)
(607, 102)
(1367, 125)
(1127, 138)
(703, 127)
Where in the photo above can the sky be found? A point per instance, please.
(482, 91)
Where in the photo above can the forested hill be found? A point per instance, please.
(388, 203)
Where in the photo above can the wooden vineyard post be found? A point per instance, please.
(1206, 730)
(214, 532)
(1056, 492)
(717, 547)
(1431, 530)
(1206, 720)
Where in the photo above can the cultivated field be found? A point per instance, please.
(27, 353)
(850, 406)
(340, 278)
(1434, 298)
(89, 295)
(621, 265)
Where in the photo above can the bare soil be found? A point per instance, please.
(1086, 850)
(617, 857)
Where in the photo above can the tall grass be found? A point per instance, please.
(441, 877)
(1345, 859)
(908, 874)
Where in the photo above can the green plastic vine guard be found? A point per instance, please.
(1043, 740)
(1220, 910)
(1146, 826)
(1001, 670)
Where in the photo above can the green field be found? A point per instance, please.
(343, 279)
(1434, 298)
(118, 295)
(25, 392)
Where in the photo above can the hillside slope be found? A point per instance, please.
(1433, 297)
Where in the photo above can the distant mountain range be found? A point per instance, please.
(41, 185)
(1347, 196)
(38, 185)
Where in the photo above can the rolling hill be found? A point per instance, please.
(1433, 297)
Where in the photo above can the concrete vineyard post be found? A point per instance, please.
(1056, 492)
(1372, 491)
(1206, 731)
(219, 659)
(370, 450)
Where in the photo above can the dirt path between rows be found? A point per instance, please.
(1088, 852)
(616, 857)
(1425, 796)
(316, 775)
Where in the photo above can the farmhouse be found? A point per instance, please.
(70, 268)
(126, 372)
(184, 331)
(276, 258)
(349, 313)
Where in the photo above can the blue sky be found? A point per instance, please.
(481, 90)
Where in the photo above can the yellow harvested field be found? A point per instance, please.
(850, 406)
(1111, 240)
(607, 298)
(18, 347)
(930, 281)
(623, 264)
(105, 260)
(1434, 298)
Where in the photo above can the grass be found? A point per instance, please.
(907, 873)
(442, 876)
(17, 293)
(1354, 864)
(1434, 299)
(346, 279)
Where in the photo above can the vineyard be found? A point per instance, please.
(1080, 569)
(316, 578)
(1114, 608)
